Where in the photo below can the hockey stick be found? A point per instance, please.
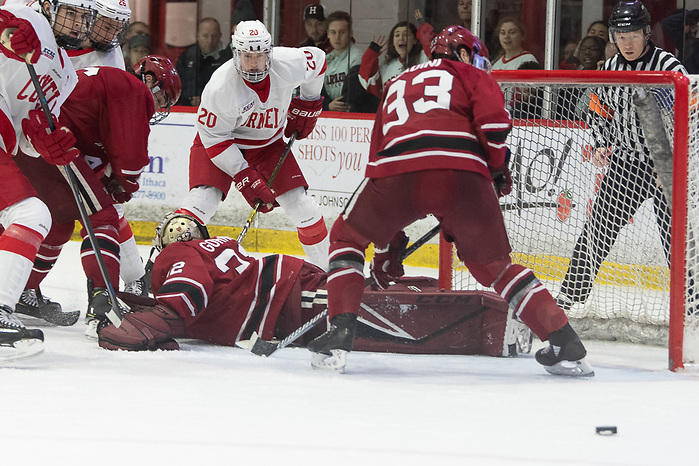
(116, 314)
(262, 347)
(246, 227)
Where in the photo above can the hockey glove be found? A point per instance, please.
(302, 117)
(23, 40)
(143, 330)
(253, 188)
(502, 180)
(120, 188)
(387, 264)
(55, 147)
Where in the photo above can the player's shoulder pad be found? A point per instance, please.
(289, 63)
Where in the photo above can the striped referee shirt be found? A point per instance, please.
(615, 120)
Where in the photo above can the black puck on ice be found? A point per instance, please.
(605, 430)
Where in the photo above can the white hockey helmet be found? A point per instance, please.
(112, 20)
(178, 227)
(251, 37)
(62, 25)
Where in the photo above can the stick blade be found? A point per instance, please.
(260, 347)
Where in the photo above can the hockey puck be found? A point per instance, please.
(605, 430)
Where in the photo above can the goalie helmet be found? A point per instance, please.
(71, 21)
(178, 227)
(161, 77)
(448, 43)
(252, 50)
(628, 17)
(111, 22)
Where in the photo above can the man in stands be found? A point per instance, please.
(245, 110)
(316, 25)
(442, 153)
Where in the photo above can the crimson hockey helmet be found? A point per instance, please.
(252, 38)
(448, 43)
(111, 22)
(628, 17)
(161, 77)
(178, 227)
(71, 21)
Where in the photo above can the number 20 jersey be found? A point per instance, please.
(442, 114)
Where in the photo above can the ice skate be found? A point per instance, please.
(331, 348)
(138, 287)
(565, 354)
(17, 341)
(98, 307)
(33, 303)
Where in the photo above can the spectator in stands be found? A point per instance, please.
(609, 51)
(137, 28)
(138, 47)
(569, 62)
(684, 38)
(425, 33)
(345, 55)
(574, 103)
(385, 59)
(596, 29)
(512, 32)
(199, 61)
(316, 28)
(244, 11)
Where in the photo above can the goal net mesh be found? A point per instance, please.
(574, 216)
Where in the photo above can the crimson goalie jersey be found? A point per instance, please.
(222, 293)
(441, 114)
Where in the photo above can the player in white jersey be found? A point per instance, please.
(245, 110)
(25, 219)
(102, 45)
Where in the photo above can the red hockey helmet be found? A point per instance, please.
(161, 77)
(448, 43)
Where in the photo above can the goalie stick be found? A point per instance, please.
(261, 347)
(116, 314)
(287, 149)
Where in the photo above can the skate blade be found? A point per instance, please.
(91, 331)
(579, 368)
(333, 363)
(21, 349)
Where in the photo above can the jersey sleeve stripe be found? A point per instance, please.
(192, 291)
(435, 142)
(266, 282)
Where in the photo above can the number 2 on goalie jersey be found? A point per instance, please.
(440, 89)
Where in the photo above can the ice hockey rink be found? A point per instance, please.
(78, 404)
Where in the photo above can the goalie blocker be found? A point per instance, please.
(412, 316)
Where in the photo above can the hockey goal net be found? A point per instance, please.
(642, 292)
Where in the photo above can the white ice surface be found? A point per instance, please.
(78, 404)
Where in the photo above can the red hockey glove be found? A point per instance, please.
(120, 188)
(502, 180)
(23, 40)
(302, 117)
(387, 264)
(143, 330)
(55, 147)
(253, 188)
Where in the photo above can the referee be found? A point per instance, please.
(631, 178)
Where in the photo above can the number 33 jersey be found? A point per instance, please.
(441, 114)
(222, 293)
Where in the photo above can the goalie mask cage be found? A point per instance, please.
(641, 293)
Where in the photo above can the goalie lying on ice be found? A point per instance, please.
(210, 289)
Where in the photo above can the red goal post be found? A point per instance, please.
(556, 171)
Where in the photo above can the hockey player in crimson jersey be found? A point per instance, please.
(25, 219)
(438, 147)
(245, 110)
(210, 289)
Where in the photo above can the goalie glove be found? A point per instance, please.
(253, 188)
(23, 40)
(56, 147)
(302, 117)
(144, 330)
(387, 264)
